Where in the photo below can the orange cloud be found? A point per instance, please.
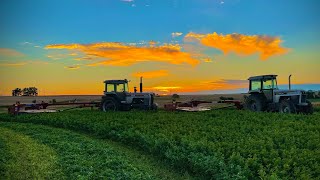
(207, 60)
(191, 36)
(22, 63)
(266, 46)
(13, 64)
(73, 54)
(152, 43)
(151, 74)
(72, 67)
(10, 52)
(119, 54)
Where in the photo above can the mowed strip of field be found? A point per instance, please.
(29, 151)
(21, 157)
(9, 100)
(220, 144)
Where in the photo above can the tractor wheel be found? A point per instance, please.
(154, 107)
(109, 104)
(287, 106)
(255, 103)
(308, 109)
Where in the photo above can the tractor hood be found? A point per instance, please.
(288, 92)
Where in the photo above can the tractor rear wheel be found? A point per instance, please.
(255, 103)
(109, 104)
(287, 106)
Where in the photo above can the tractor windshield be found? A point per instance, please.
(270, 84)
(115, 88)
(122, 87)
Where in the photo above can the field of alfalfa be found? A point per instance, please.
(217, 144)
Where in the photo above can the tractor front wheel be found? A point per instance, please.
(255, 103)
(287, 106)
(154, 107)
(109, 104)
(308, 109)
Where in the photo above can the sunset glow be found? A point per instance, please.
(177, 46)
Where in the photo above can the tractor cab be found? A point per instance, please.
(118, 88)
(264, 84)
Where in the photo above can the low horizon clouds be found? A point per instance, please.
(72, 67)
(7, 52)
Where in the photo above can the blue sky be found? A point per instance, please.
(84, 21)
(29, 26)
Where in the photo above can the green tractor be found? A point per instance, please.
(117, 97)
(265, 96)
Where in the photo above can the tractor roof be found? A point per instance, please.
(116, 81)
(270, 76)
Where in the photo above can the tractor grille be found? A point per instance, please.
(295, 99)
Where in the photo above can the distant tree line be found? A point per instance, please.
(175, 96)
(226, 98)
(30, 91)
(313, 94)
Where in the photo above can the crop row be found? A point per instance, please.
(217, 144)
(39, 152)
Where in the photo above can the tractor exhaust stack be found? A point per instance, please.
(290, 82)
(141, 84)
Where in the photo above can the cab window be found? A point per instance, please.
(255, 85)
(110, 88)
(269, 84)
(121, 87)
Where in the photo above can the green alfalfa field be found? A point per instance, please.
(217, 144)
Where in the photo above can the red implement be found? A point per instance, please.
(42, 107)
(186, 106)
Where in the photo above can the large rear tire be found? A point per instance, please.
(287, 106)
(255, 103)
(109, 104)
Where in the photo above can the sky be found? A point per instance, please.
(178, 46)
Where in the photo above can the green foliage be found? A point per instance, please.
(24, 158)
(220, 144)
(175, 96)
(28, 91)
(16, 92)
(4, 157)
(313, 94)
(76, 156)
(226, 98)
